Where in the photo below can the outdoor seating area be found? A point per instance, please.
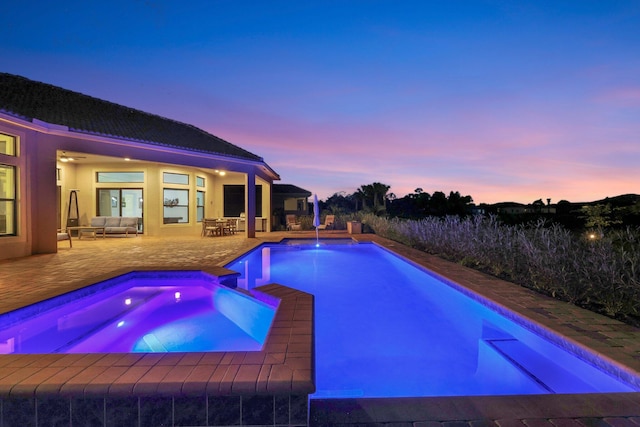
(219, 227)
(116, 224)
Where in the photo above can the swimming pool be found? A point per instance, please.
(142, 312)
(386, 328)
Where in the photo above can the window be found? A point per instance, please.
(175, 178)
(120, 177)
(121, 202)
(199, 181)
(199, 206)
(7, 200)
(176, 206)
(234, 200)
(7, 144)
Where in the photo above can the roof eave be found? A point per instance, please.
(60, 130)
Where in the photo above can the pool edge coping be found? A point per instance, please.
(285, 365)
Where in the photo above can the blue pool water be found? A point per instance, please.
(386, 328)
(141, 312)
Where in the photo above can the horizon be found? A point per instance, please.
(544, 199)
(498, 101)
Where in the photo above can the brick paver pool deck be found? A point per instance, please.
(27, 280)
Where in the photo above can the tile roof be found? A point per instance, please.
(81, 113)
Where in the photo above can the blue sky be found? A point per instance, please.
(500, 100)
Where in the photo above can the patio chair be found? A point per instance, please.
(328, 223)
(293, 223)
(231, 227)
(210, 227)
(65, 235)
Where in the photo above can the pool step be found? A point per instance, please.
(544, 371)
(154, 343)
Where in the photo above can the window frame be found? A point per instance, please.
(104, 173)
(168, 203)
(12, 202)
(13, 152)
(167, 178)
(200, 207)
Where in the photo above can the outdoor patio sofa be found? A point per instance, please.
(116, 224)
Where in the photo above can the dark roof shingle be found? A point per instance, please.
(81, 113)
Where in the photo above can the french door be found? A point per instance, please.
(121, 202)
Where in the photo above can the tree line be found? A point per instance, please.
(375, 198)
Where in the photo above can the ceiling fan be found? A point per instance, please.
(64, 157)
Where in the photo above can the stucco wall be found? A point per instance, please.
(37, 166)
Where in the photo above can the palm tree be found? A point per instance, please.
(380, 194)
(368, 195)
(359, 196)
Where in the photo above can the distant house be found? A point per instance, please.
(512, 208)
(289, 200)
(64, 154)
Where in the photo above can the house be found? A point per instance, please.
(289, 199)
(511, 208)
(68, 156)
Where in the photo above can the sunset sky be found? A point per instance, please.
(500, 100)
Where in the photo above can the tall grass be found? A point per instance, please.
(601, 274)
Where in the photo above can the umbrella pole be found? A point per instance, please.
(316, 216)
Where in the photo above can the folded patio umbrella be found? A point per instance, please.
(316, 215)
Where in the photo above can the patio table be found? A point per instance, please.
(81, 229)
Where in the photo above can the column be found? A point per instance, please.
(250, 205)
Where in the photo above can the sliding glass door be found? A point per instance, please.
(121, 202)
